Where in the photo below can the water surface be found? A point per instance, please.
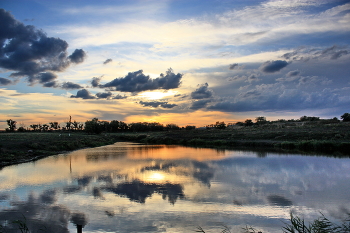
(129, 187)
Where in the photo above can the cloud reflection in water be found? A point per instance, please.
(160, 188)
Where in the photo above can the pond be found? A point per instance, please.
(128, 187)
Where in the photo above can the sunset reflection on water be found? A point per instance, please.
(155, 188)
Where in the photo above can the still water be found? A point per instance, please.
(129, 187)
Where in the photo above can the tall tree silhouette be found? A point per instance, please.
(12, 124)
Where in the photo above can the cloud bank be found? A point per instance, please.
(156, 104)
(30, 53)
(137, 82)
(273, 66)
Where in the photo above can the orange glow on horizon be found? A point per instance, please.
(198, 118)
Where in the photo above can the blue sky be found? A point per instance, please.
(184, 62)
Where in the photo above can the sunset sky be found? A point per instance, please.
(189, 62)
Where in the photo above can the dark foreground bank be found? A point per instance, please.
(330, 139)
(19, 147)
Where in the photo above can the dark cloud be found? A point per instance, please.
(293, 73)
(334, 52)
(72, 189)
(104, 95)
(70, 85)
(118, 97)
(242, 106)
(202, 172)
(251, 94)
(236, 78)
(339, 54)
(95, 82)
(84, 94)
(137, 82)
(290, 55)
(4, 196)
(107, 61)
(156, 104)
(55, 217)
(202, 92)
(311, 81)
(200, 104)
(306, 94)
(51, 84)
(329, 50)
(233, 66)
(77, 56)
(273, 66)
(166, 105)
(30, 53)
(48, 197)
(84, 181)
(42, 78)
(5, 81)
(97, 193)
(46, 77)
(253, 78)
(250, 78)
(202, 96)
(277, 200)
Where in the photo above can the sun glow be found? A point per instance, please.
(154, 95)
(155, 177)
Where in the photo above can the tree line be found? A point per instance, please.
(54, 125)
(98, 126)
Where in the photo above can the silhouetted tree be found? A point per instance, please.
(306, 118)
(172, 127)
(45, 127)
(69, 123)
(155, 126)
(21, 129)
(190, 127)
(248, 122)
(93, 126)
(76, 125)
(104, 126)
(345, 117)
(123, 126)
(261, 120)
(54, 125)
(12, 124)
(114, 126)
(34, 127)
(220, 125)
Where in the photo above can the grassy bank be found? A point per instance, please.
(332, 139)
(21, 147)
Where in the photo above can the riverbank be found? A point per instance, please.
(20, 147)
(330, 139)
(312, 137)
